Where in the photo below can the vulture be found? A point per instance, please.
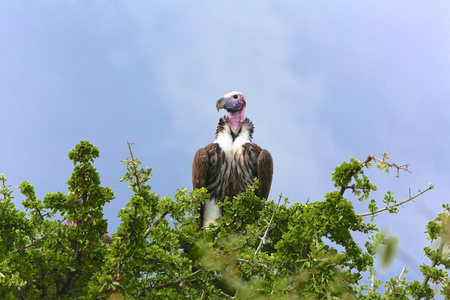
(232, 161)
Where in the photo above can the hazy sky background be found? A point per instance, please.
(324, 81)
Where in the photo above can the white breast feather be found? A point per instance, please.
(211, 211)
(229, 147)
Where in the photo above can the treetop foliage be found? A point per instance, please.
(258, 249)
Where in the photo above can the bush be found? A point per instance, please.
(259, 249)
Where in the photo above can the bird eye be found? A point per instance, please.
(236, 96)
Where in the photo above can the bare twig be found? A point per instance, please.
(399, 277)
(226, 295)
(397, 204)
(403, 167)
(263, 238)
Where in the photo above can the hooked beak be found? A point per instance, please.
(221, 102)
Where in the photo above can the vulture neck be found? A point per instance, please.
(235, 119)
(226, 136)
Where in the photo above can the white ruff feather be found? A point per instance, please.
(225, 140)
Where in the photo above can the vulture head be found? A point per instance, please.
(234, 103)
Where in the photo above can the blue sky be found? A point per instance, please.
(324, 81)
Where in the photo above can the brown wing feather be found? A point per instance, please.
(199, 173)
(264, 167)
(200, 168)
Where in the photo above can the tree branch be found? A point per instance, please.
(249, 262)
(392, 286)
(263, 239)
(135, 171)
(372, 279)
(401, 274)
(411, 198)
(138, 183)
(226, 295)
(364, 163)
(4, 187)
(173, 282)
(62, 288)
(35, 240)
(433, 263)
(154, 224)
(403, 167)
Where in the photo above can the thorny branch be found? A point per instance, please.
(138, 183)
(411, 198)
(136, 175)
(433, 263)
(403, 167)
(135, 171)
(263, 238)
